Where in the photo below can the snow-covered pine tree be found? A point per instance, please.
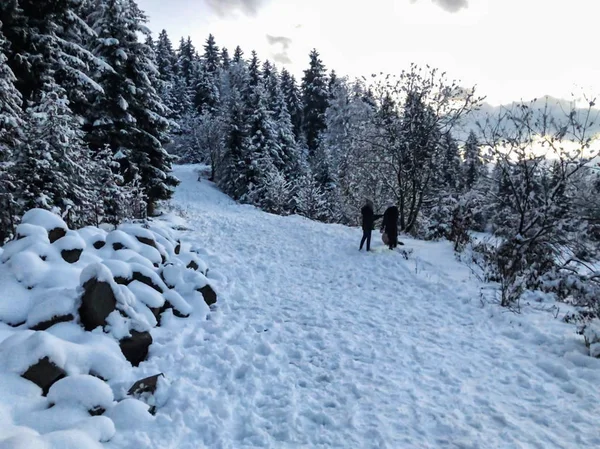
(238, 55)
(47, 45)
(207, 85)
(472, 167)
(225, 59)
(254, 76)
(293, 99)
(10, 106)
(270, 79)
(289, 149)
(230, 173)
(10, 139)
(349, 120)
(130, 116)
(53, 165)
(263, 153)
(187, 62)
(166, 64)
(231, 176)
(315, 97)
(309, 199)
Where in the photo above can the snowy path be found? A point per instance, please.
(318, 345)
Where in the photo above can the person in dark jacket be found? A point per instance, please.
(389, 225)
(368, 221)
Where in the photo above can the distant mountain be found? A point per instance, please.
(557, 108)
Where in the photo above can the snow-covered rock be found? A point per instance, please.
(78, 309)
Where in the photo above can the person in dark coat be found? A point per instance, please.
(368, 221)
(389, 225)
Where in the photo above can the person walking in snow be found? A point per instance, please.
(389, 226)
(368, 221)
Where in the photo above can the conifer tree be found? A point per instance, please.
(130, 116)
(225, 59)
(10, 139)
(207, 91)
(54, 164)
(473, 166)
(315, 98)
(293, 100)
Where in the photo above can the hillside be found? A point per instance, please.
(315, 344)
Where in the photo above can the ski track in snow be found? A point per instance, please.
(315, 344)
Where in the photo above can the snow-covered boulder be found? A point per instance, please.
(52, 223)
(591, 335)
(81, 306)
(85, 391)
(70, 247)
(98, 298)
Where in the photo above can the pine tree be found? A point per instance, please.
(473, 167)
(238, 55)
(225, 59)
(10, 139)
(254, 77)
(263, 151)
(47, 45)
(232, 171)
(207, 91)
(293, 101)
(270, 79)
(289, 150)
(54, 164)
(333, 82)
(210, 59)
(10, 106)
(315, 97)
(166, 64)
(187, 58)
(129, 116)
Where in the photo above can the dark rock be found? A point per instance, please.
(95, 374)
(163, 259)
(44, 374)
(20, 323)
(117, 246)
(71, 255)
(156, 311)
(96, 411)
(176, 312)
(209, 295)
(193, 265)
(178, 247)
(146, 385)
(147, 241)
(137, 276)
(98, 301)
(99, 244)
(52, 321)
(122, 281)
(135, 348)
(56, 233)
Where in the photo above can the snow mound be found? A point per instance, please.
(79, 309)
(44, 219)
(82, 390)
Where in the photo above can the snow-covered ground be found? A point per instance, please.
(315, 344)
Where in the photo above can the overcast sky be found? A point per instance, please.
(511, 49)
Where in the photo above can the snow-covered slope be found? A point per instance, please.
(315, 344)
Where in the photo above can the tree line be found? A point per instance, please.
(321, 146)
(93, 110)
(83, 126)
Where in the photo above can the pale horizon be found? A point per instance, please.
(509, 49)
